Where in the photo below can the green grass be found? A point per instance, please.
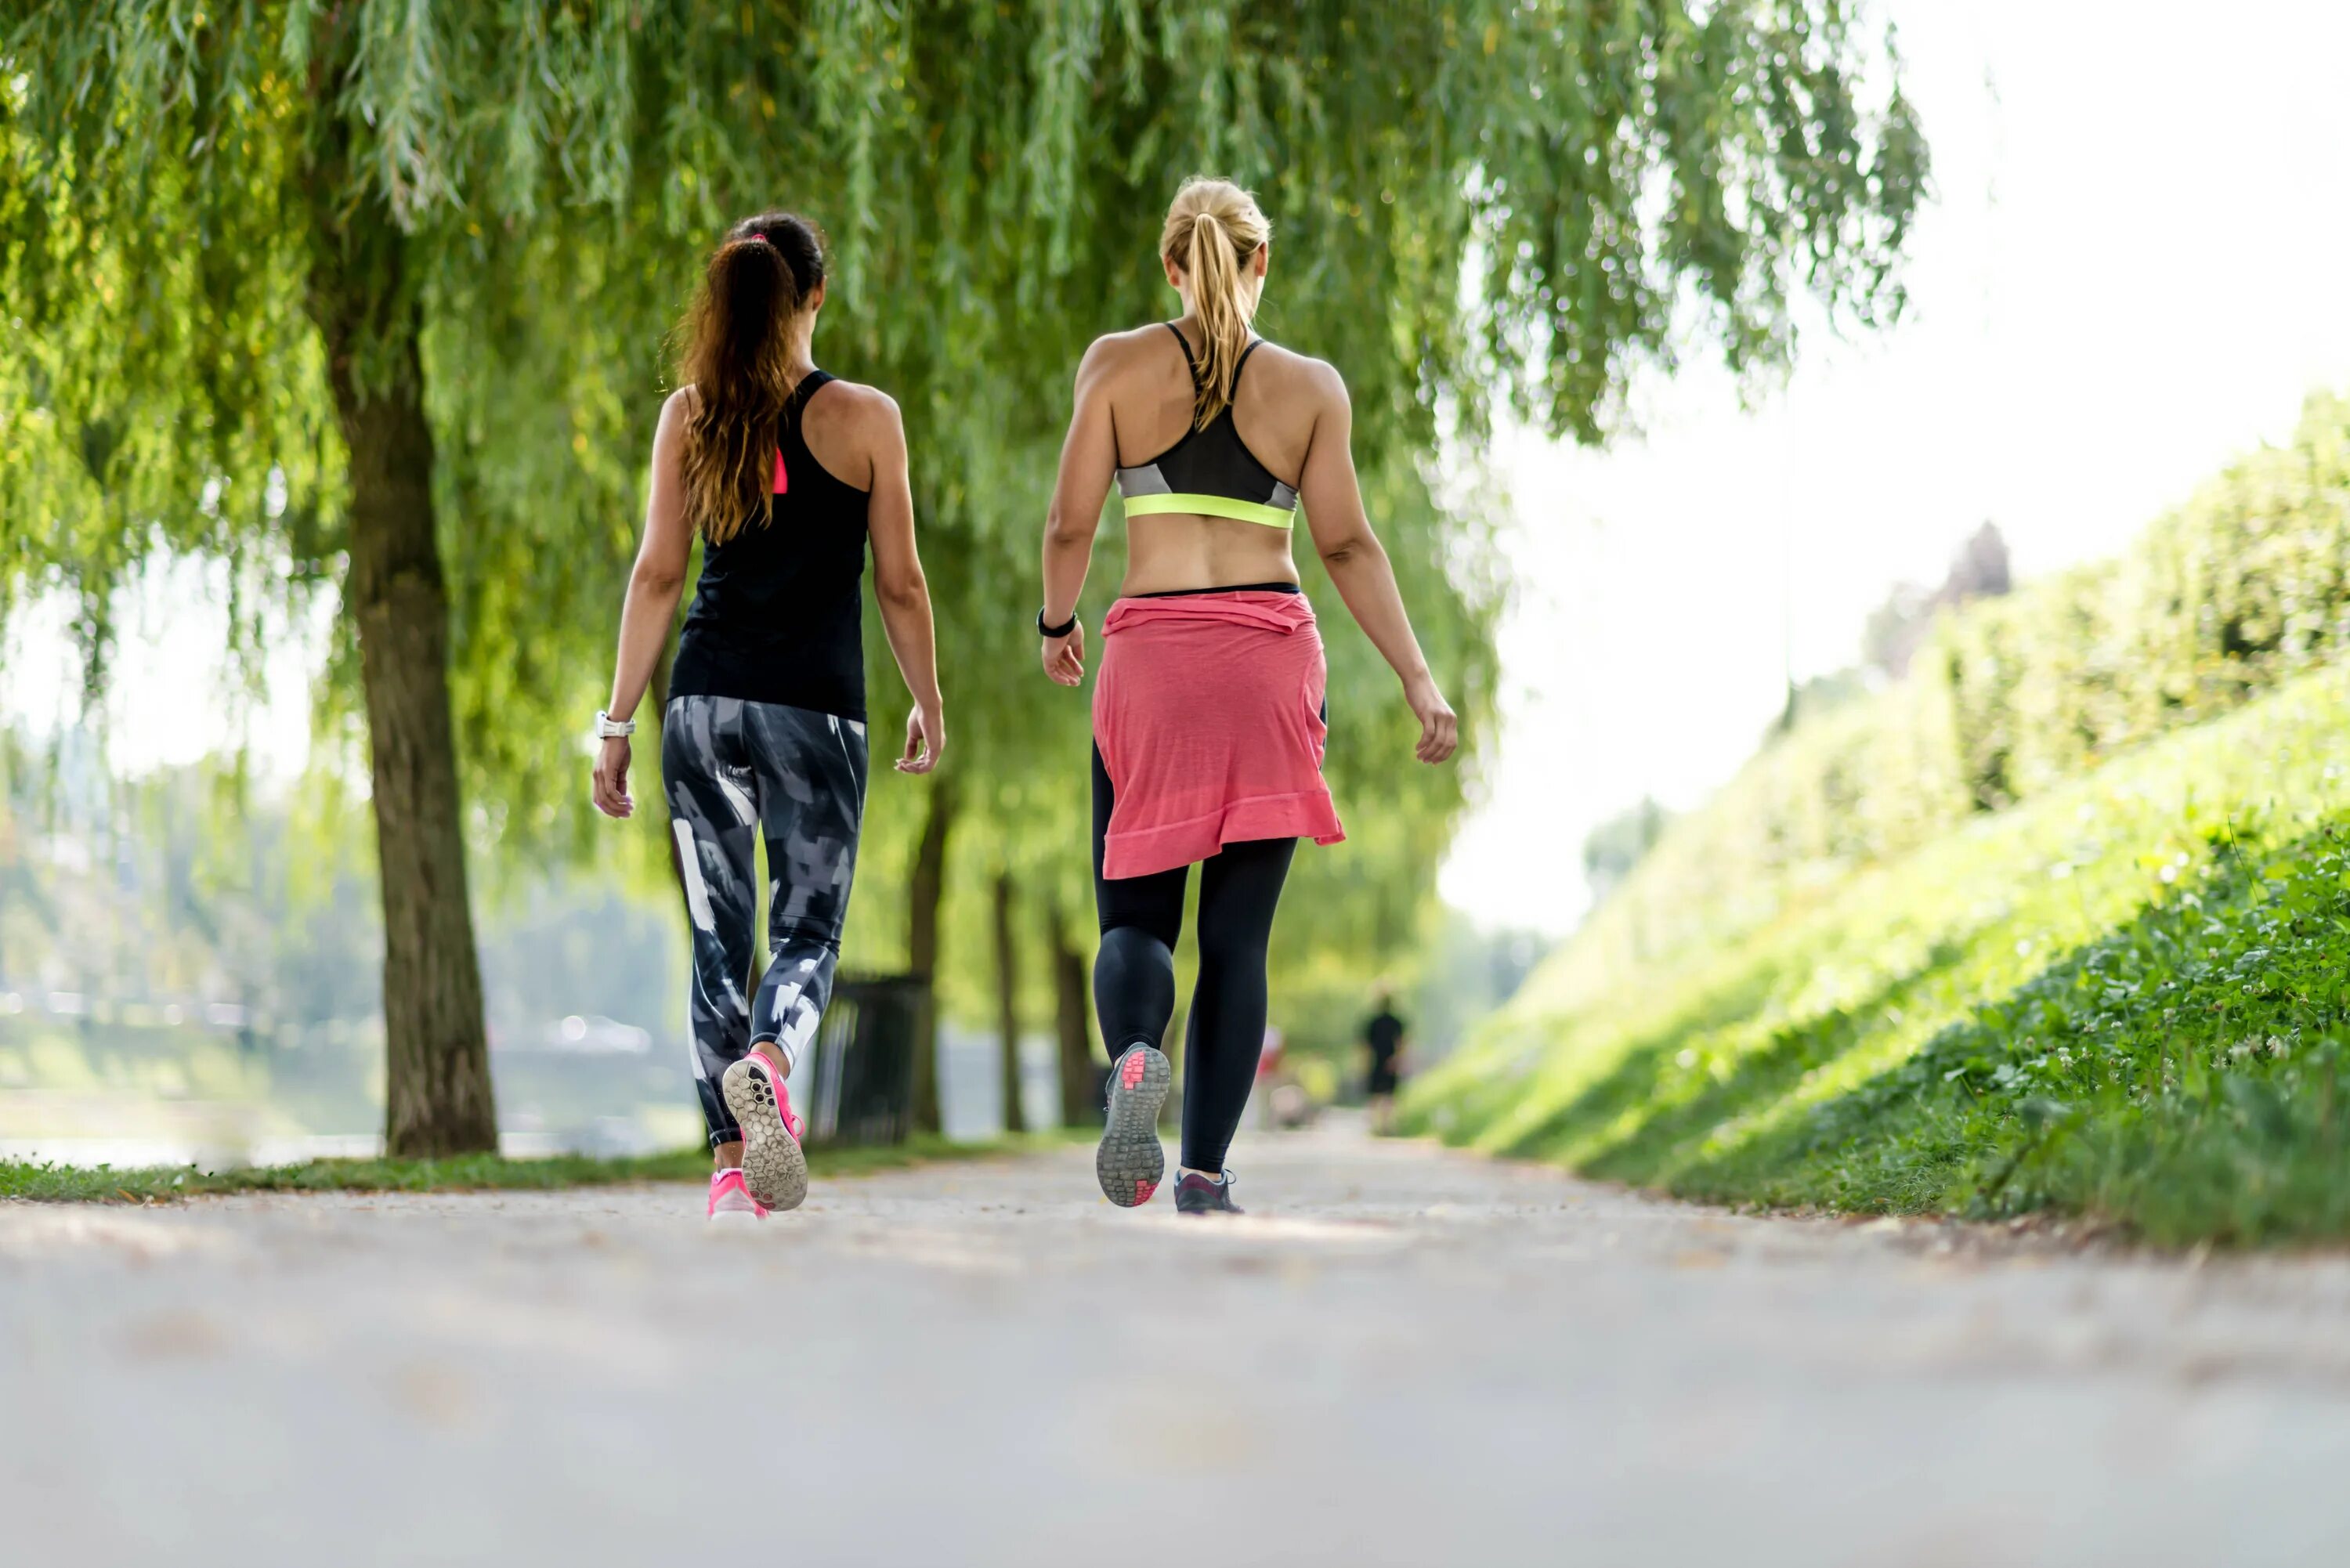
(2127, 999)
(464, 1173)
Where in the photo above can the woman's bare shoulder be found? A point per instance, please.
(854, 395)
(1297, 376)
(1114, 353)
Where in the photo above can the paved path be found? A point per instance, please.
(1405, 1357)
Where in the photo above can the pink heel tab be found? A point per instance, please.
(781, 1082)
(720, 1185)
(721, 1189)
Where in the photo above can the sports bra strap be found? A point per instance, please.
(1186, 344)
(1241, 363)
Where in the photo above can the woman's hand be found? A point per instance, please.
(926, 741)
(611, 785)
(1065, 657)
(1440, 731)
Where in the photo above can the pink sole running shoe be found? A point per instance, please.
(1131, 1162)
(731, 1202)
(774, 1167)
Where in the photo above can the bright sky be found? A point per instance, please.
(2135, 270)
(172, 698)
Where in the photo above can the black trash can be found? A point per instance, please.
(864, 1069)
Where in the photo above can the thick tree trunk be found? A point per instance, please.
(1007, 995)
(1080, 1103)
(923, 893)
(437, 1097)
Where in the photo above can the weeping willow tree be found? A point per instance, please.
(371, 295)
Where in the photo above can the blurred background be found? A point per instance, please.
(2110, 300)
(2127, 277)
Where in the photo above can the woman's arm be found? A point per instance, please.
(901, 589)
(650, 608)
(1359, 563)
(1088, 464)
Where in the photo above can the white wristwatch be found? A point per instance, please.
(607, 727)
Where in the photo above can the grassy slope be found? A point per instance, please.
(470, 1173)
(2125, 998)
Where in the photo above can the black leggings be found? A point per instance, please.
(1134, 973)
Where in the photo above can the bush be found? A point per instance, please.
(2126, 997)
(2243, 586)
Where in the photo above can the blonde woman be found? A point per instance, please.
(1209, 717)
(785, 473)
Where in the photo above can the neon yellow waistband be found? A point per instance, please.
(1210, 506)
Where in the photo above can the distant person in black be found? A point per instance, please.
(1383, 1035)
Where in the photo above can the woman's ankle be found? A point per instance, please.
(726, 1156)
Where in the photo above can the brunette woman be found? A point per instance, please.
(785, 474)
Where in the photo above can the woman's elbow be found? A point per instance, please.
(1343, 551)
(1062, 531)
(903, 589)
(655, 579)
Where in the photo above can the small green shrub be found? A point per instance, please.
(2128, 996)
(2246, 586)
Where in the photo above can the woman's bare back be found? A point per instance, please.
(1275, 409)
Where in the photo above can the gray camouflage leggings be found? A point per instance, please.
(731, 769)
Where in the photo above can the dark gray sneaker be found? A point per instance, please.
(1131, 1161)
(1197, 1194)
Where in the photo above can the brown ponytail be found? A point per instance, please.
(738, 360)
(1214, 233)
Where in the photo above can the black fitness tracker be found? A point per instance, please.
(1062, 629)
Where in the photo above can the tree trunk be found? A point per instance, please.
(923, 894)
(1007, 993)
(437, 1096)
(1080, 1103)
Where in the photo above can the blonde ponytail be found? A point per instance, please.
(1214, 233)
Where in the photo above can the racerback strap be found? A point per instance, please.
(1241, 363)
(1185, 344)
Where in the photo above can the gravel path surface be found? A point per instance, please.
(1401, 1356)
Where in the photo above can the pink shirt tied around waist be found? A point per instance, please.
(1209, 716)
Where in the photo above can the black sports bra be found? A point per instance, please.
(1211, 472)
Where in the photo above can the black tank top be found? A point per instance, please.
(778, 616)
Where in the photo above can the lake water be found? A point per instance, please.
(549, 1104)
